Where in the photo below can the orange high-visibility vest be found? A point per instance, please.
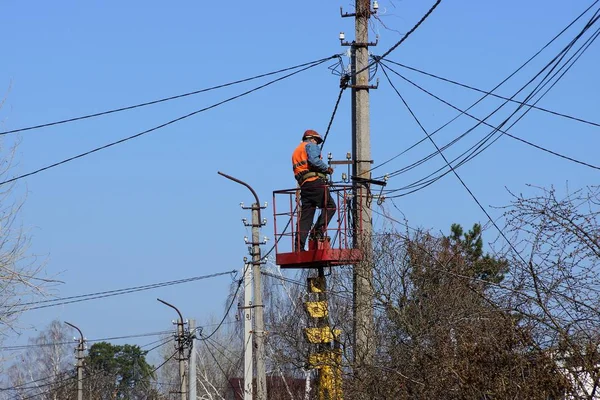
(300, 164)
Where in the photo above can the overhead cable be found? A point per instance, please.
(461, 180)
(162, 100)
(546, 110)
(233, 299)
(487, 140)
(406, 36)
(559, 34)
(110, 293)
(56, 164)
(504, 132)
(30, 345)
(62, 383)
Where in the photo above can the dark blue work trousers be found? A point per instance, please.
(314, 194)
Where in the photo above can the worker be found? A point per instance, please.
(311, 173)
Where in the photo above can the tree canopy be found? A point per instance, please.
(125, 366)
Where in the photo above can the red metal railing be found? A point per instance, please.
(341, 231)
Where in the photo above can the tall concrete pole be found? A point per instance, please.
(181, 358)
(80, 350)
(248, 347)
(259, 326)
(181, 350)
(361, 149)
(193, 359)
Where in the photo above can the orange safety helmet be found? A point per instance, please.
(312, 134)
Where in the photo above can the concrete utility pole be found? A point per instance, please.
(248, 365)
(182, 346)
(192, 370)
(361, 149)
(259, 327)
(80, 349)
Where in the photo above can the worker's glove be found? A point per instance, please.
(330, 170)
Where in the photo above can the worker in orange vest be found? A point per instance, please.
(311, 173)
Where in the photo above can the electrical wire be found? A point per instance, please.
(514, 249)
(479, 147)
(337, 103)
(22, 385)
(205, 340)
(111, 293)
(163, 342)
(56, 164)
(214, 344)
(65, 382)
(33, 345)
(162, 100)
(233, 298)
(466, 156)
(559, 34)
(546, 110)
(406, 35)
(504, 132)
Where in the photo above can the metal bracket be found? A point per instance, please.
(252, 225)
(264, 241)
(359, 45)
(346, 15)
(359, 87)
(371, 181)
(371, 12)
(340, 162)
(252, 207)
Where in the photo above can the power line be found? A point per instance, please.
(337, 103)
(479, 147)
(56, 164)
(498, 85)
(495, 95)
(487, 124)
(162, 100)
(205, 340)
(33, 345)
(117, 292)
(233, 298)
(406, 35)
(460, 179)
(237, 363)
(64, 382)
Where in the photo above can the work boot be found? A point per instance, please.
(317, 234)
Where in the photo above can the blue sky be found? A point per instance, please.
(154, 209)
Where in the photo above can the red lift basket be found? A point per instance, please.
(338, 249)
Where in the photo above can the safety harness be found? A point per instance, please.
(304, 175)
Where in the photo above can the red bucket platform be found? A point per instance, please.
(337, 249)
